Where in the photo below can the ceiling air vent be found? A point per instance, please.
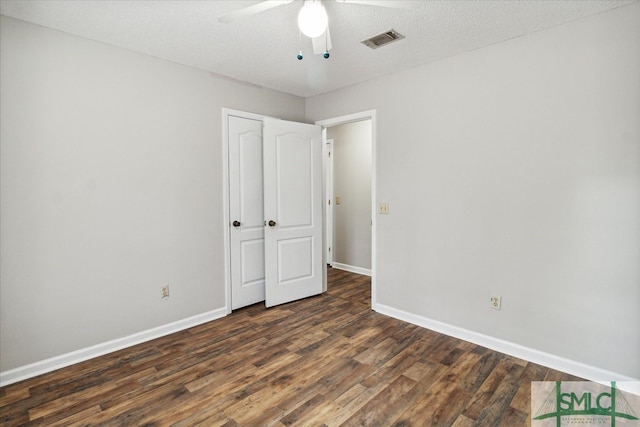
(383, 39)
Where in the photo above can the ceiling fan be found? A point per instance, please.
(312, 18)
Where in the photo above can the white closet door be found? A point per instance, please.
(293, 197)
(246, 233)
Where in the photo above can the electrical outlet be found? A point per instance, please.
(383, 208)
(496, 302)
(165, 292)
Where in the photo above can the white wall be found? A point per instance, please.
(514, 170)
(111, 186)
(352, 183)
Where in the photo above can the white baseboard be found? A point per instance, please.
(34, 369)
(351, 268)
(568, 366)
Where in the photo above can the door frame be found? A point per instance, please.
(350, 118)
(328, 197)
(226, 113)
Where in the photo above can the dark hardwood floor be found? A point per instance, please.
(323, 361)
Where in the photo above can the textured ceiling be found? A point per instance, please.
(262, 49)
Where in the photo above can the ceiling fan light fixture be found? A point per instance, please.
(312, 19)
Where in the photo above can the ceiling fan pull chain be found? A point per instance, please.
(300, 56)
(326, 43)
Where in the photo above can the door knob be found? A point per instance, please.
(236, 223)
(272, 223)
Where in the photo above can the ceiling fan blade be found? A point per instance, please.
(396, 4)
(252, 10)
(322, 43)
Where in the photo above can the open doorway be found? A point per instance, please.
(349, 210)
(350, 207)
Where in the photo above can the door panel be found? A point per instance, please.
(293, 197)
(252, 256)
(293, 181)
(295, 257)
(246, 207)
